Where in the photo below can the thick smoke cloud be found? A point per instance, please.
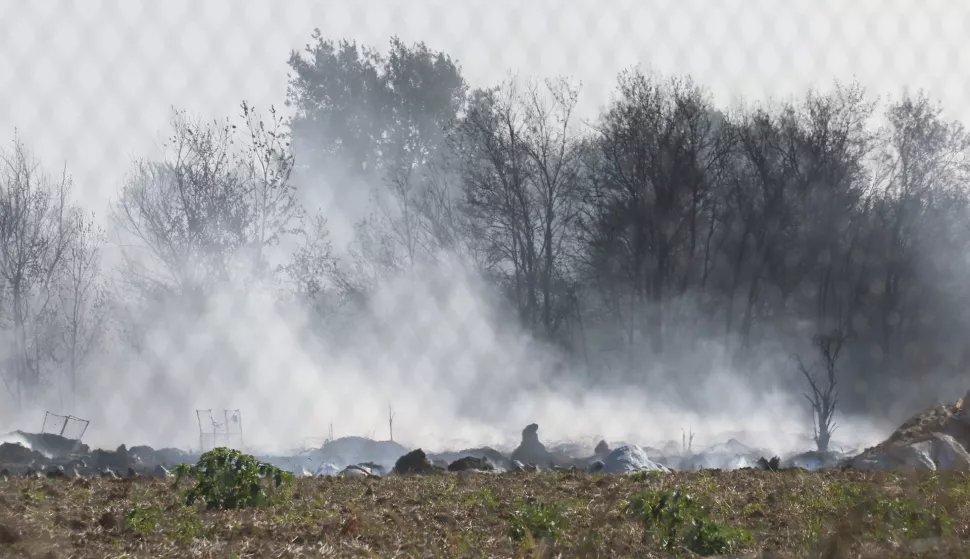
(439, 344)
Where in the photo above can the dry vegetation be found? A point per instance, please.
(798, 514)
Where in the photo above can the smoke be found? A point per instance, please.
(432, 345)
(433, 354)
(453, 373)
(432, 348)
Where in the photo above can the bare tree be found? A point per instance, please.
(268, 165)
(656, 154)
(520, 163)
(313, 262)
(207, 213)
(498, 201)
(34, 238)
(824, 397)
(554, 148)
(83, 297)
(923, 159)
(187, 212)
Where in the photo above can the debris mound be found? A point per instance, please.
(494, 457)
(358, 470)
(627, 459)
(531, 450)
(766, 465)
(120, 460)
(601, 448)
(16, 453)
(935, 439)
(415, 462)
(52, 444)
(357, 450)
(471, 464)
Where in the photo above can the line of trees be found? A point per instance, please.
(627, 239)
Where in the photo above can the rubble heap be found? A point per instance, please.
(531, 450)
(935, 439)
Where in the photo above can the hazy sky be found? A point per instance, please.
(91, 82)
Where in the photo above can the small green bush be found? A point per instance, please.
(228, 479)
(676, 519)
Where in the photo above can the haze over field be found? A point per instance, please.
(616, 222)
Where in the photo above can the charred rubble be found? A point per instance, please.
(53, 455)
(935, 439)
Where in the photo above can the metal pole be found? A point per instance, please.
(201, 439)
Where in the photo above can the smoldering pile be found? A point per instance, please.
(47, 454)
(357, 456)
(936, 439)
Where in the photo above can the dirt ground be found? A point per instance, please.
(563, 514)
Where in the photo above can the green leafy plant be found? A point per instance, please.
(541, 521)
(229, 479)
(143, 521)
(183, 524)
(675, 518)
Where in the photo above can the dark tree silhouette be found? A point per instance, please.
(824, 397)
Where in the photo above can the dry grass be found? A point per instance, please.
(796, 514)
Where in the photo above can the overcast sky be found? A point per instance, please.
(92, 82)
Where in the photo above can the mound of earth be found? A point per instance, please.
(416, 462)
(814, 460)
(627, 459)
(493, 456)
(602, 448)
(935, 439)
(51, 444)
(531, 450)
(16, 453)
(119, 460)
(359, 470)
(347, 451)
(471, 464)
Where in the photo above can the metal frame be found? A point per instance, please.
(219, 429)
(66, 419)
